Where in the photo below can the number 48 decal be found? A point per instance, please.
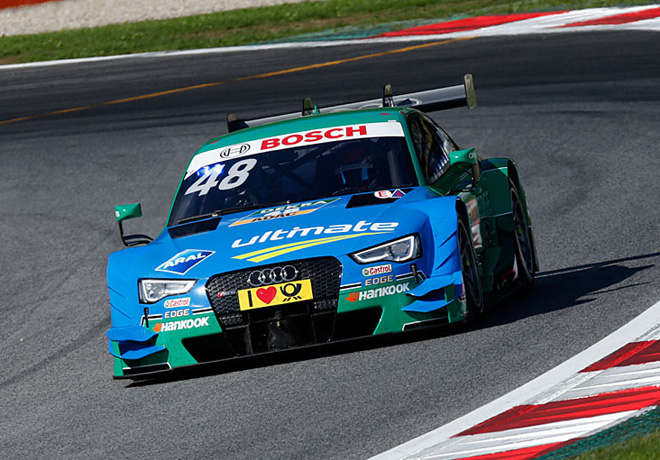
(236, 176)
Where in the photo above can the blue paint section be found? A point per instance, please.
(134, 350)
(132, 333)
(447, 256)
(435, 283)
(132, 342)
(431, 294)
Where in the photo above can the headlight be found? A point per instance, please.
(152, 291)
(401, 250)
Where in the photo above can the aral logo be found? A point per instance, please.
(184, 261)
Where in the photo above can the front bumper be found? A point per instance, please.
(388, 304)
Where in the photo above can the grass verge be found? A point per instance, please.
(254, 25)
(643, 448)
(635, 439)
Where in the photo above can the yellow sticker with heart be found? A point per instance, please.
(275, 294)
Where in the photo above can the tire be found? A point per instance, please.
(523, 239)
(474, 296)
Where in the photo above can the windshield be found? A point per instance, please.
(291, 175)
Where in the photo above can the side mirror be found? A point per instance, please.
(468, 159)
(130, 211)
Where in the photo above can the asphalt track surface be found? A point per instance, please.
(579, 112)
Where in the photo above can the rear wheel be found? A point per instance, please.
(524, 248)
(474, 297)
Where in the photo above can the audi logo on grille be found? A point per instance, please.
(272, 275)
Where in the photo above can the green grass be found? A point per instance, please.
(247, 26)
(637, 438)
(642, 448)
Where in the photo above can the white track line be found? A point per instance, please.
(616, 379)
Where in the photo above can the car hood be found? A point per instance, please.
(331, 227)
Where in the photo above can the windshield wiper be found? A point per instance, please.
(217, 212)
(222, 212)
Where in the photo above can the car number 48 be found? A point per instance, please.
(236, 176)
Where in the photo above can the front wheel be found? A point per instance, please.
(524, 249)
(474, 297)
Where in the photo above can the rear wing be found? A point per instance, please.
(431, 100)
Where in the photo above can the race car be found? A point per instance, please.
(320, 226)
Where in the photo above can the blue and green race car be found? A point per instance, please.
(320, 226)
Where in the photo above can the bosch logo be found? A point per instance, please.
(272, 276)
(234, 151)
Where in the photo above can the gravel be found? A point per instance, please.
(75, 14)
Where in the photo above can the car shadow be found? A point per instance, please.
(553, 290)
(566, 288)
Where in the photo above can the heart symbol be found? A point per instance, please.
(266, 295)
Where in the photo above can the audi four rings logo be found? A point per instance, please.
(272, 275)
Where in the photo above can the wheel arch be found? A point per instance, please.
(461, 211)
(514, 177)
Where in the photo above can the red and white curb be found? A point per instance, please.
(16, 3)
(631, 18)
(614, 380)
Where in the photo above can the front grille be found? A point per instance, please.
(279, 326)
(324, 273)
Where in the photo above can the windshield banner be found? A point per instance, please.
(300, 139)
